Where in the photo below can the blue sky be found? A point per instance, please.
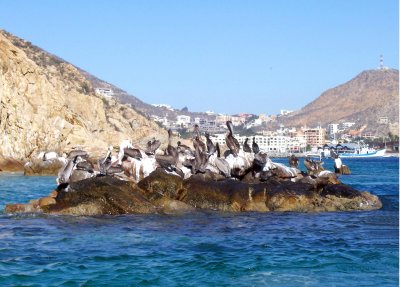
(226, 56)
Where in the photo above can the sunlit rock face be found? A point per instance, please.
(47, 104)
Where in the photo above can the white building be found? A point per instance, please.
(278, 144)
(163, 121)
(105, 92)
(163, 106)
(347, 125)
(285, 112)
(333, 129)
(183, 120)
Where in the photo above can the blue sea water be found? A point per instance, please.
(205, 248)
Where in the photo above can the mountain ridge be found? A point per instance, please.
(365, 99)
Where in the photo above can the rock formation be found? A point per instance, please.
(47, 104)
(165, 193)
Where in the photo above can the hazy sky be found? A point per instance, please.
(226, 56)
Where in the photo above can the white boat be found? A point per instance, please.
(353, 150)
(364, 153)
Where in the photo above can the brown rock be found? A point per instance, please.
(172, 206)
(21, 208)
(54, 193)
(10, 165)
(161, 184)
(162, 192)
(45, 201)
(40, 167)
(101, 195)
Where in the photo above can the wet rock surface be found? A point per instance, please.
(166, 193)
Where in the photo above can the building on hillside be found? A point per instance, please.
(314, 136)
(105, 92)
(346, 125)
(163, 106)
(263, 118)
(183, 121)
(161, 120)
(222, 119)
(333, 129)
(285, 112)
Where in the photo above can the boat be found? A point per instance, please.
(364, 153)
(351, 150)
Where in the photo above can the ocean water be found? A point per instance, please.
(205, 248)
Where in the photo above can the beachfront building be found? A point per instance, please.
(315, 137)
(275, 144)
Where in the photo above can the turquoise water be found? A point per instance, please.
(205, 248)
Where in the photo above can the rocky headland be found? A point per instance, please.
(47, 104)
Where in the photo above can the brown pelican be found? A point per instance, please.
(246, 147)
(114, 170)
(169, 164)
(197, 142)
(66, 172)
(74, 153)
(105, 163)
(210, 145)
(184, 149)
(86, 166)
(171, 150)
(152, 146)
(231, 142)
(221, 163)
(133, 153)
(309, 165)
(255, 146)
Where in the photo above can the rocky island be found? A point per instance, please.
(179, 181)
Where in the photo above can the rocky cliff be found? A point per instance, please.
(48, 104)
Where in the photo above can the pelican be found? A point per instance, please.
(210, 145)
(152, 146)
(256, 148)
(246, 147)
(231, 142)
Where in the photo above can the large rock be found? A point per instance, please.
(101, 195)
(10, 165)
(166, 193)
(40, 167)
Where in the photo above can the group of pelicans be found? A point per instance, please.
(241, 163)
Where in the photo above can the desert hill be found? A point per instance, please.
(366, 100)
(48, 104)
